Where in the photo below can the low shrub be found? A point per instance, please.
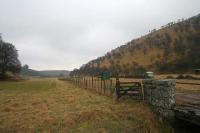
(170, 77)
(189, 77)
(180, 77)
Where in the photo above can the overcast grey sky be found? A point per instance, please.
(64, 34)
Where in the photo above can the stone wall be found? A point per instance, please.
(161, 95)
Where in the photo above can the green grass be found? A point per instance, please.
(50, 105)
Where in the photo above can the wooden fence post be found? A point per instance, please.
(104, 87)
(97, 85)
(101, 86)
(92, 81)
(142, 91)
(89, 83)
(111, 87)
(86, 84)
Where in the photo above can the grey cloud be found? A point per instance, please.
(64, 34)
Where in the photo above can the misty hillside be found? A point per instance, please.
(173, 48)
(46, 73)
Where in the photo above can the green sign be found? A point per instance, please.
(105, 76)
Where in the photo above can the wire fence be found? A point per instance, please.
(108, 87)
(104, 87)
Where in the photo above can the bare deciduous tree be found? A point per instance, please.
(8, 59)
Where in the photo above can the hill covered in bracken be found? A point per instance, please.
(174, 48)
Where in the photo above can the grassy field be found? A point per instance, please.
(50, 105)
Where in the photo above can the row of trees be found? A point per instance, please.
(178, 46)
(129, 70)
(9, 61)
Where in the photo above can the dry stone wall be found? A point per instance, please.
(161, 95)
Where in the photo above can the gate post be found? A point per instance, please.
(117, 87)
(161, 95)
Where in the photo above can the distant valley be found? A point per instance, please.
(44, 73)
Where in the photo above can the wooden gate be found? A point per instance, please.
(133, 89)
